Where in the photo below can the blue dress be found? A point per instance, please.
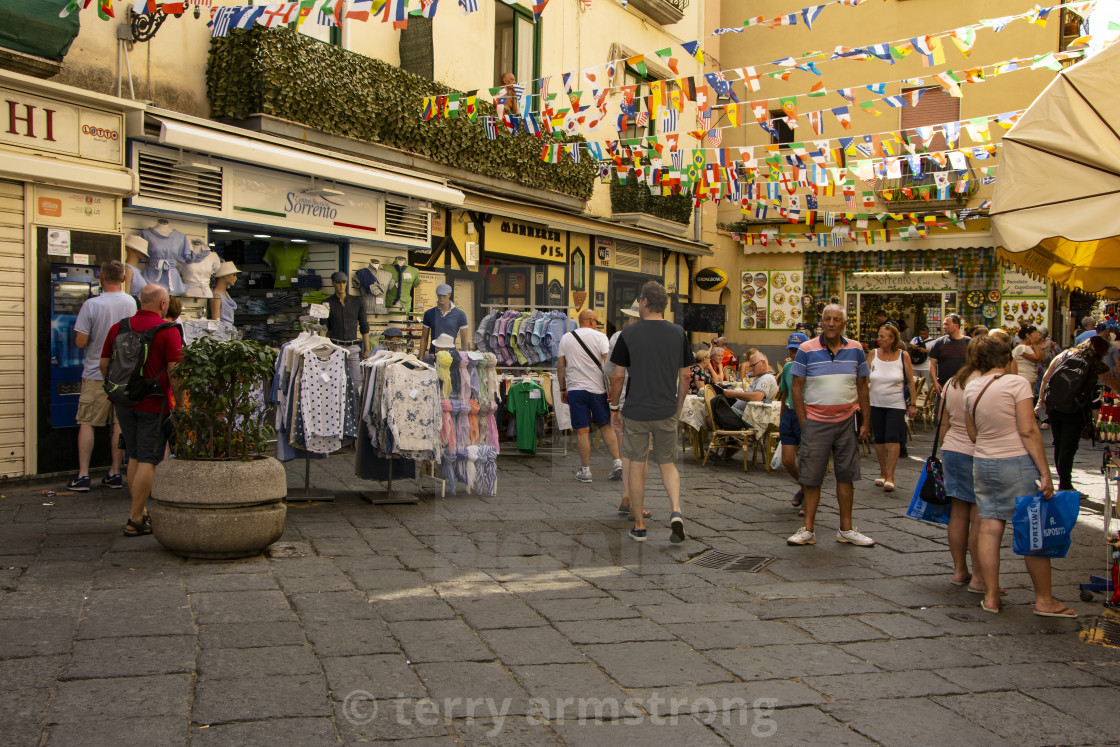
(138, 281)
(229, 306)
(163, 253)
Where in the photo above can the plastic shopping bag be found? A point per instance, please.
(776, 460)
(1042, 528)
(930, 512)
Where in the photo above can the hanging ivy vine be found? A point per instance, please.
(281, 73)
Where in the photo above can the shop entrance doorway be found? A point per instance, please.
(623, 292)
(909, 310)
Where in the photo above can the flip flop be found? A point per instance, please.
(879, 482)
(1002, 591)
(986, 609)
(1065, 612)
(888, 486)
(962, 583)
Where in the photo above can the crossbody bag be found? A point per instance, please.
(594, 360)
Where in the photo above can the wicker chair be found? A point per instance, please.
(741, 439)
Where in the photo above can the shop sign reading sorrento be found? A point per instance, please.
(900, 281)
(42, 124)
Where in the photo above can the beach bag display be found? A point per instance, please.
(1042, 528)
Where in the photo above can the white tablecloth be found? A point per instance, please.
(694, 413)
(760, 415)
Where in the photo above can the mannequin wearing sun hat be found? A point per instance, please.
(221, 305)
(135, 252)
(445, 318)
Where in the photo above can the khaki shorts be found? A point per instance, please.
(635, 440)
(819, 441)
(94, 407)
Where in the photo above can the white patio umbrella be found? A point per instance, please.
(1056, 207)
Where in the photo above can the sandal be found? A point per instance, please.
(888, 486)
(988, 609)
(879, 482)
(1063, 612)
(137, 530)
(964, 581)
(974, 590)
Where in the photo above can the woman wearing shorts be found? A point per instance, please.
(1009, 461)
(956, 453)
(892, 376)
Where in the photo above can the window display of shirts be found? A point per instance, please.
(286, 260)
(374, 286)
(403, 280)
(163, 254)
(196, 275)
(527, 402)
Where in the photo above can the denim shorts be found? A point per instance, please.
(789, 429)
(958, 475)
(998, 482)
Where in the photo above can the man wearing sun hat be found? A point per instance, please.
(445, 318)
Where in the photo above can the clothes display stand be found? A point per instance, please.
(389, 495)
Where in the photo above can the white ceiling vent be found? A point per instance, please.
(406, 221)
(165, 178)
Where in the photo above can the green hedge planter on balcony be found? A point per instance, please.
(281, 73)
(635, 197)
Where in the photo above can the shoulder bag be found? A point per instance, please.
(931, 483)
(598, 365)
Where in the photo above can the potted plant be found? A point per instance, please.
(219, 496)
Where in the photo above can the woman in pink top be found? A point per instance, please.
(956, 454)
(1008, 461)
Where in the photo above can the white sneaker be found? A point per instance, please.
(616, 470)
(584, 474)
(802, 537)
(854, 537)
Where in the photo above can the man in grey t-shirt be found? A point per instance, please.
(95, 318)
(656, 354)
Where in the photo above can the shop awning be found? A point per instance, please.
(580, 224)
(109, 180)
(258, 151)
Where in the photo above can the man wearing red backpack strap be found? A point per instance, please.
(141, 424)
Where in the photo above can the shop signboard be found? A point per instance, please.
(43, 124)
(256, 195)
(68, 207)
(424, 294)
(1016, 284)
(710, 279)
(527, 240)
(885, 282)
(604, 252)
(770, 299)
(1025, 300)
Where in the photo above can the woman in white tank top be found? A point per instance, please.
(891, 379)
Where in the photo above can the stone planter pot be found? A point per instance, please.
(218, 509)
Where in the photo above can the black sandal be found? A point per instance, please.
(137, 530)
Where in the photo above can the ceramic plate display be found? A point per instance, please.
(989, 310)
(994, 296)
(760, 278)
(748, 293)
(974, 299)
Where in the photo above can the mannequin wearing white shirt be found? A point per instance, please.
(196, 275)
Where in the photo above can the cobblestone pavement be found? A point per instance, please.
(531, 618)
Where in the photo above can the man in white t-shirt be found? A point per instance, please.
(583, 389)
(96, 316)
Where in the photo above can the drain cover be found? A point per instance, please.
(725, 561)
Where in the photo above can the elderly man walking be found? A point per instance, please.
(583, 388)
(829, 384)
(656, 354)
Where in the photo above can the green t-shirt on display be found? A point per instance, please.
(526, 401)
(286, 260)
(404, 280)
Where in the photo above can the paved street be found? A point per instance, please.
(531, 618)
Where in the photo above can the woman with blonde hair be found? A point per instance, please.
(701, 373)
(891, 380)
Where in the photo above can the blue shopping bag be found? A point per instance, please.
(1042, 528)
(924, 511)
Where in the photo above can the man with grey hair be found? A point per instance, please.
(96, 316)
(1088, 327)
(829, 385)
(763, 386)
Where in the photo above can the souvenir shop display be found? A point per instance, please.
(771, 299)
(373, 282)
(527, 402)
(403, 279)
(469, 400)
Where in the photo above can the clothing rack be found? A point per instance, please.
(389, 495)
(308, 493)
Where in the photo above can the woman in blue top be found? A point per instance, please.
(221, 305)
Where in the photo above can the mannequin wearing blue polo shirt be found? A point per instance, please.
(444, 318)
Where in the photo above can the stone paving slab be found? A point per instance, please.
(424, 624)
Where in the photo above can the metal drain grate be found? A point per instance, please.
(725, 561)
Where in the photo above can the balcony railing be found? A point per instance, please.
(907, 192)
(664, 12)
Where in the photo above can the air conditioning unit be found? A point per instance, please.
(470, 249)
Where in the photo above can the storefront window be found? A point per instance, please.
(578, 265)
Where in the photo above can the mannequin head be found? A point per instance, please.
(225, 276)
(375, 264)
(136, 249)
(443, 296)
(198, 246)
(400, 262)
(162, 227)
(338, 280)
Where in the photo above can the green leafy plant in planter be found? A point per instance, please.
(222, 417)
(635, 197)
(220, 496)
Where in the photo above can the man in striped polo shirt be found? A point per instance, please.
(829, 385)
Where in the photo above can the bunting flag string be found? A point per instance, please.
(964, 38)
